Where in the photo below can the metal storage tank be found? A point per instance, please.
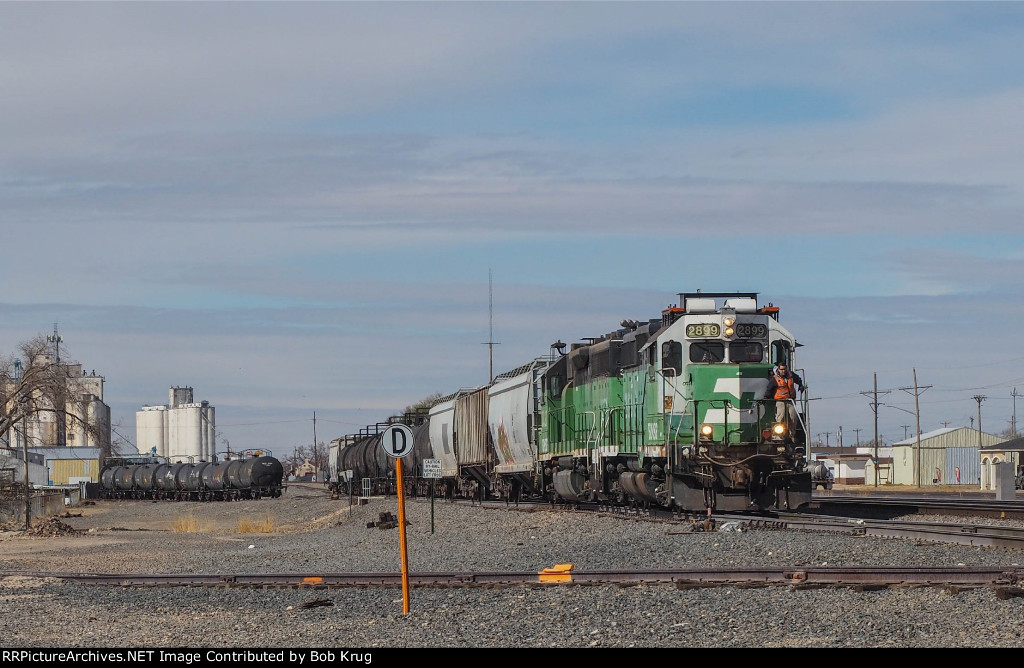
(124, 477)
(335, 457)
(144, 477)
(181, 472)
(265, 471)
(108, 477)
(194, 479)
(215, 476)
(421, 449)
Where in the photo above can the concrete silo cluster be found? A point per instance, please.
(183, 430)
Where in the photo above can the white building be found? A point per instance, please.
(183, 430)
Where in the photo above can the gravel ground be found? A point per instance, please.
(311, 533)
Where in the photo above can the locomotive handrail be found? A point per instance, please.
(589, 430)
(621, 432)
(668, 377)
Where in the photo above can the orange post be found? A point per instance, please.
(401, 537)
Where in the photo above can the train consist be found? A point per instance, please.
(669, 412)
(151, 478)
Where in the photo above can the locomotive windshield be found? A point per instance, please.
(707, 351)
(711, 352)
(746, 351)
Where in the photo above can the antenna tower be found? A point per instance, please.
(490, 343)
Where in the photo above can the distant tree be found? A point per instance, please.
(315, 454)
(34, 387)
(423, 405)
(41, 399)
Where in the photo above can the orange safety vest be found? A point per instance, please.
(785, 386)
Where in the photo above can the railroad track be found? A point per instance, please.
(1009, 579)
(908, 504)
(977, 535)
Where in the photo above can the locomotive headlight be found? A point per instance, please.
(729, 330)
(728, 322)
(706, 431)
(778, 430)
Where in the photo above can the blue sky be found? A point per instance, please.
(295, 207)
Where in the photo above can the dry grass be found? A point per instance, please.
(186, 524)
(265, 524)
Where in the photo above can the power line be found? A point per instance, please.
(917, 412)
(1013, 422)
(874, 408)
(979, 398)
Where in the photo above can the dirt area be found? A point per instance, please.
(302, 508)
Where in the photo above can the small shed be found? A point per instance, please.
(1008, 451)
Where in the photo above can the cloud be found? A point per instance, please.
(292, 206)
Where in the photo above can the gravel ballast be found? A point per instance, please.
(310, 533)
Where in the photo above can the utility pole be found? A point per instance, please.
(979, 398)
(1013, 420)
(857, 433)
(905, 428)
(316, 458)
(917, 414)
(490, 343)
(874, 408)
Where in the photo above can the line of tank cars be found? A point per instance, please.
(665, 412)
(241, 477)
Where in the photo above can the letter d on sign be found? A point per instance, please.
(397, 440)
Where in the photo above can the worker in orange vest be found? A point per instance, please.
(782, 385)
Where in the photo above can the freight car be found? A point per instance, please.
(227, 480)
(669, 412)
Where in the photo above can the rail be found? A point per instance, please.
(1010, 578)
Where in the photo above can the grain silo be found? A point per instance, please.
(184, 430)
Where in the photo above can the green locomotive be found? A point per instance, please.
(672, 412)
